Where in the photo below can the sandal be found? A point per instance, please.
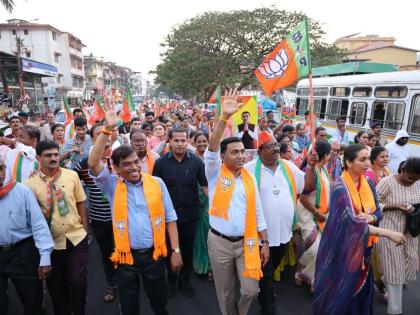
(298, 280)
(109, 294)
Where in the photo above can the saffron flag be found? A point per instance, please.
(125, 112)
(69, 114)
(287, 63)
(99, 113)
(217, 98)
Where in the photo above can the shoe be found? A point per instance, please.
(186, 289)
(172, 290)
(381, 290)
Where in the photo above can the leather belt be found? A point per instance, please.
(142, 251)
(6, 248)
(229, 238)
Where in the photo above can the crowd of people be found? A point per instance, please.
(166, 196)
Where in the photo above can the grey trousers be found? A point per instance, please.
(228, 264)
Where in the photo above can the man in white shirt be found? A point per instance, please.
(227, 236)
(21, 162)
(278, 202)
(46, 129)
(340, 132)
(398, 150)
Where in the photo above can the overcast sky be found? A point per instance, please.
(129, 32)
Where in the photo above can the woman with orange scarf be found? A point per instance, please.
(343, 276)
(312, 212)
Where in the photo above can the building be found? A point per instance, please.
(47, 44)
(377, 50)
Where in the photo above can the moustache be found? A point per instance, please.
(53, 162)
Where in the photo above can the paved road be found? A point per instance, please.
(290, 300)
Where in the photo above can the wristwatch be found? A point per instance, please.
(176, 250)
(265, 242)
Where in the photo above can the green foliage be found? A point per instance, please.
(225, 48)
(8, 5)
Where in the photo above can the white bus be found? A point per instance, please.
(391, 97)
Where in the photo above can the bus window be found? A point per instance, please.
(320, 106)
(320, 92)
(302, 92)
(358, 114)
(391, 91)
(302, 106)
(340, 91)
(362, 91)
(415, 115)
(390, 113)
(337, 108)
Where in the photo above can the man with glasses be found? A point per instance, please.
(279, 183)
(61, 198)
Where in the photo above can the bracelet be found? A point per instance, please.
(105, 131)
(264, 242)
(374, 218)
(223, 120)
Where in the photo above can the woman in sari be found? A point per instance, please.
(201, 257)
(312, 210)
(343, 276)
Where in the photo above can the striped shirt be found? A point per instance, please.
(99, 209)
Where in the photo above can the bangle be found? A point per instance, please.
(223, 120)
(105, 131)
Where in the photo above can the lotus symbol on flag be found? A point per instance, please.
(275, 67)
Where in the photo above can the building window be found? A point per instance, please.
(390, 113)
(14, 32)
(54, 35)
(415, 115)
(56, 58)
(25, 32)
(358, 114)
(58, 79)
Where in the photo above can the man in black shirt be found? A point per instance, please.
(182, 172)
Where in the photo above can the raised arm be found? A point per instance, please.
(230, 107)
(95, 156)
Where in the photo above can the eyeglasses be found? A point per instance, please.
(49, 155)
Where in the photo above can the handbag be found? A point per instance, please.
(413, 221)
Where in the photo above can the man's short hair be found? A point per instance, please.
(225, 142)
(93, 128)
(32, 131)
(134, 119)
(318, 129)
(177, 130)
(246, 112)
(46, 145)
(23, 115)
(77, 110)
(80, 122)
(340, 118)
(135, 131)
(121, 153)
(287, 128)
(13, 117)
(149, 113)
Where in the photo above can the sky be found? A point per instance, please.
(130, 32)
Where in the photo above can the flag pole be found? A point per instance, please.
(311, 111)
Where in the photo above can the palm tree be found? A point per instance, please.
(8, 4)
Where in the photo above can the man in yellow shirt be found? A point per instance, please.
(62, 200)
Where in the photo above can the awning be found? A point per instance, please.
(353, 68)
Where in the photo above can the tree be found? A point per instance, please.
(225, 48)
(8, 5)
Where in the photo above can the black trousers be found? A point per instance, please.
(20, 265)
(105, 239)
(67, 284)
(186, 234)
(154, 283)
(266, 295)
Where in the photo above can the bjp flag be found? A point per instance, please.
(287, 63)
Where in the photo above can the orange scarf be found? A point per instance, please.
(150, 162)
(153, 195)
(321, 199)
(220, 207)
(362, 198)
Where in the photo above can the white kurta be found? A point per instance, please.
(277, 201)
